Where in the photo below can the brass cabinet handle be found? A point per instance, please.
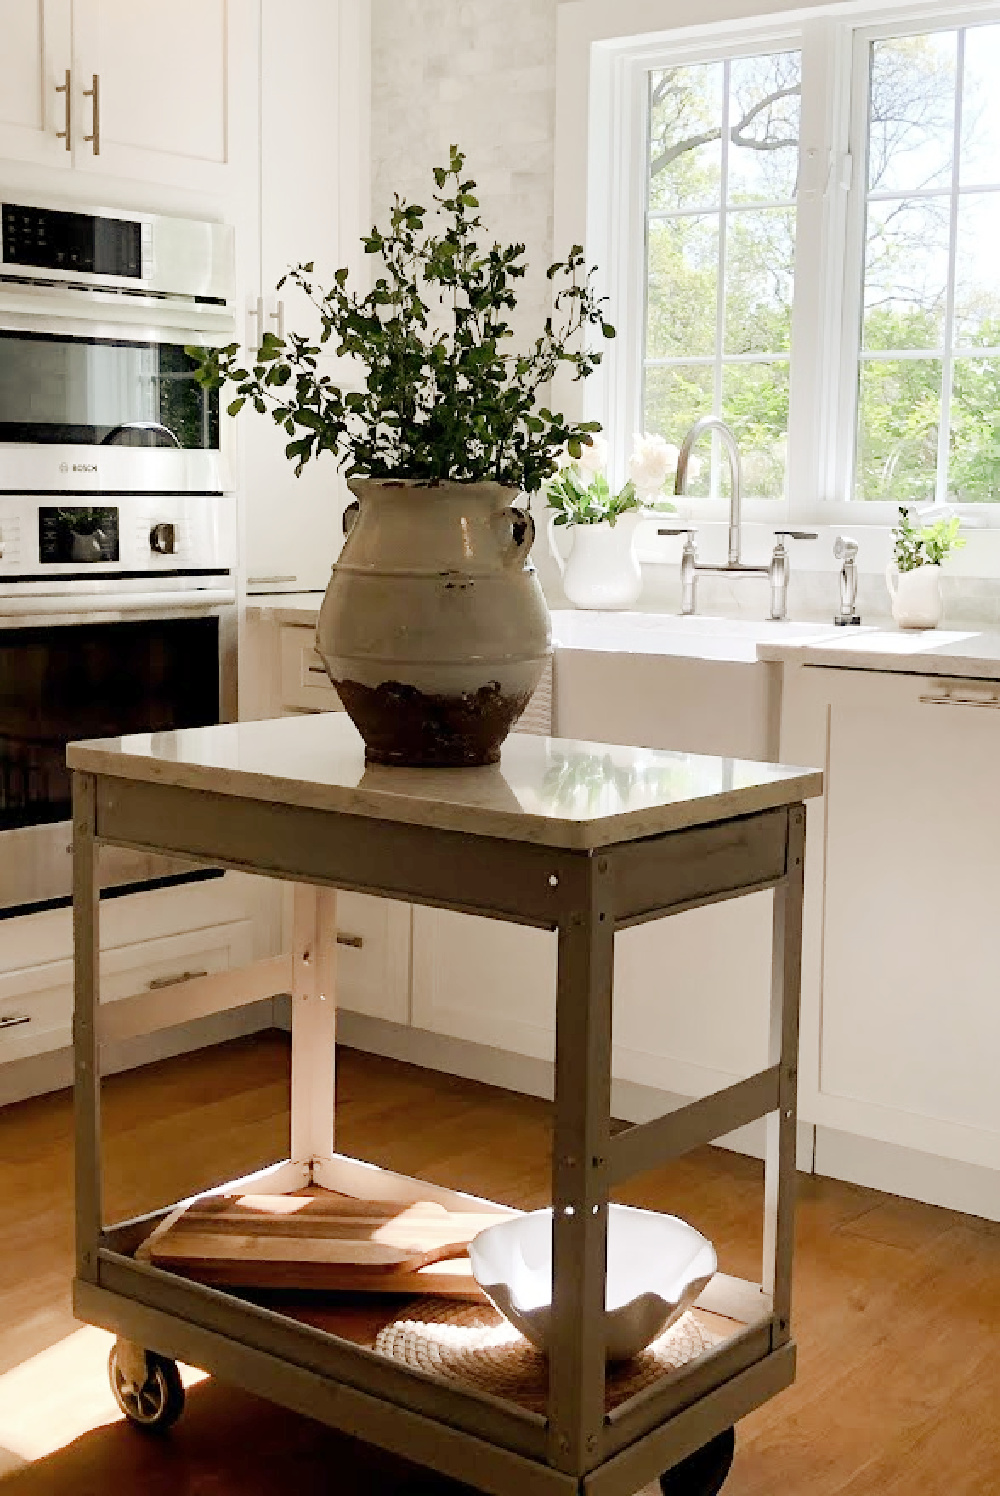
(13, 1020)
(182, 976)
(356, 942)
(94, 92)
(951, 698)
(67, 134)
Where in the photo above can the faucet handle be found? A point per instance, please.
(799, 534)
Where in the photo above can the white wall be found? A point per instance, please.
(479, 74)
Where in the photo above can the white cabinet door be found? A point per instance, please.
(692, 992)
(485, 981)
(172, 87)
(901, 1028)
(373, 956)
(313, 160)
(35, 52)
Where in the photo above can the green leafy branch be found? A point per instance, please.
(928, 546)
(443, 398)
(576, 503)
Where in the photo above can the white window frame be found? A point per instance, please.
(833, 40)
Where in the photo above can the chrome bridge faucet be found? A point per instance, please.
(776, 570)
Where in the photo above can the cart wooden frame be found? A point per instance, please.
(586, 894)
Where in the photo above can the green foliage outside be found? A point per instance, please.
(928, 546)
(911, 148)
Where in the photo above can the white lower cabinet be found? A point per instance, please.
(373, 956)
(691, 993)
(148, 941)
(901, 1023)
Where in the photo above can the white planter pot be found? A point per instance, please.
(434, 629)
(915, 595)
(601, 569)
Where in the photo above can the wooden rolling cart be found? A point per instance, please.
(293, 799)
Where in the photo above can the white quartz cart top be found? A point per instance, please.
(550, 791)
(970, 653)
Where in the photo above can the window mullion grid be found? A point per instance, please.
(948, 363)
(720, 301)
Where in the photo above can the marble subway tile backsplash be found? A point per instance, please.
(480, 75)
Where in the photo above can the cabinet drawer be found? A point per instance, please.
(44, 994)
(303, 681)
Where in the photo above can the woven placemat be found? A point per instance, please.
(474, 1345)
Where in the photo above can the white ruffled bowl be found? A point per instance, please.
(657, 1267)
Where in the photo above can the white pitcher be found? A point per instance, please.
(601, 570)
(915, 595)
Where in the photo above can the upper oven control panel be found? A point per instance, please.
(48, 239)
(78, 535)
(133, 254)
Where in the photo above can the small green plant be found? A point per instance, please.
(928, 546)
(580, 492)
(579, 503)
(441, 396)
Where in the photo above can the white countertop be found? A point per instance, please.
(971, 653)
(284, 607)
(551, 791)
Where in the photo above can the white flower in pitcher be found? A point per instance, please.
(653, 461)
(594, 459)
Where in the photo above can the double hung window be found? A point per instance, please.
(811, 254)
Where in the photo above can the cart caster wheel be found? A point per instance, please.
(704, 1472)
(157, 1402)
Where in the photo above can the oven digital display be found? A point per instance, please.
(77, 535)
(52, 240)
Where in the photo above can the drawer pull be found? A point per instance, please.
(317, 670)
(356, 942)
(182, 976)
(949, 698)
(14, 1020)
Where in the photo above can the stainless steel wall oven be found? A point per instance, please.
(117, 520)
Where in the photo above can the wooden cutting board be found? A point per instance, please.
(320, 1241)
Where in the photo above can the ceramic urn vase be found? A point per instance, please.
(434, 629)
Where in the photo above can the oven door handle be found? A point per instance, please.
(92, 604)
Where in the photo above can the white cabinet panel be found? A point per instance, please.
(485, 981)
(313, 207)
(373, 956)
(303, 682)
(171, 84)
(901, 1023)
(35, 51)
(43, 994)
(692, 997)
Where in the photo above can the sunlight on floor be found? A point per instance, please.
(61, 1393)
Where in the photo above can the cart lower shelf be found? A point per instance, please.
(322, 1358)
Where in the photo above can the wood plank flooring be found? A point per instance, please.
(897, 1305)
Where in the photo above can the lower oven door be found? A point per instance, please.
(90, 680)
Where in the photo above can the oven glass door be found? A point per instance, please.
(103, 392)
(75, 681)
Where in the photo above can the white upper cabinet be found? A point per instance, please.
(154, 91)
(35, 55)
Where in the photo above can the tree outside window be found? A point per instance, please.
(928, 410)
(723, 152)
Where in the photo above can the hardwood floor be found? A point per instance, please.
(897, 1305)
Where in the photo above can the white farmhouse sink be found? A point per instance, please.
(661, 681)
(666, 634)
